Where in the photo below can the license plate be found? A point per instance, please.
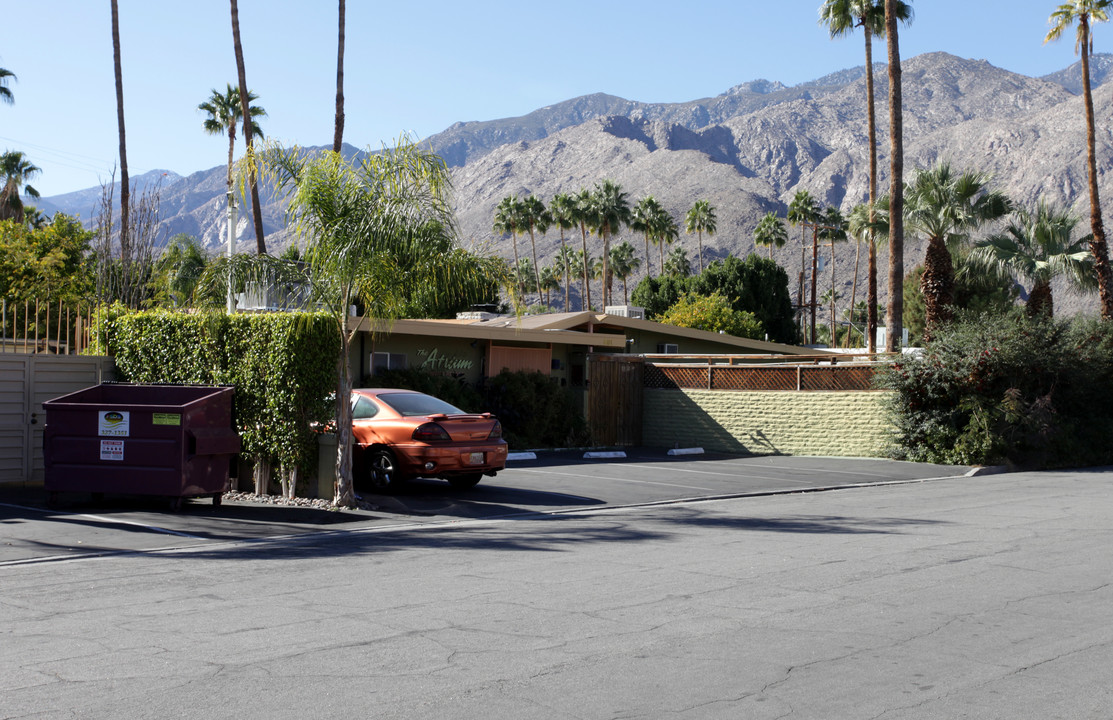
(474, 458)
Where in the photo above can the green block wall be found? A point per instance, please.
(851, 424)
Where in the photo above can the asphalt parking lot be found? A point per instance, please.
(553, 483)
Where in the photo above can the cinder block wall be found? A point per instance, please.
(788, 423)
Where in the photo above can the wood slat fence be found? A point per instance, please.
(55, 328)
(787, 373)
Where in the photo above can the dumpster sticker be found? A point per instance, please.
(112, 450)
(166, 419)
(114, 423)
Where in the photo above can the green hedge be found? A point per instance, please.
(282, 365)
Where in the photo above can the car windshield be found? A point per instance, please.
(418, 404)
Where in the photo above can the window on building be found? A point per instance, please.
(387, 361)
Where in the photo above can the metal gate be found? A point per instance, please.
(26, 381)
(615, 397)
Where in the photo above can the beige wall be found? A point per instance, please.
(789, 423)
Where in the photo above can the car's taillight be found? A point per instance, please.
(496, 431)
(430, 432)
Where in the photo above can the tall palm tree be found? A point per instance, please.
(896, 178)
(549, 278)
(225, 112)
(770, 231)
(562, 208)
(611, 210)
(1037, 248)
(944, 207)
(841, 17)
(802, 211)
(508, 220)
(624, 263)
(248, 136)
(700, 219)
(832, 232)
(535, 216)
(338, 126)
(585, 218)
(1086, 13)
(125, 184)
(861, 225)
(566, 259)
(16, 171)
(5, 92)
(646, 215)
(665, 232)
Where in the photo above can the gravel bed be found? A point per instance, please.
(316, 503)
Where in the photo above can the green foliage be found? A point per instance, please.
(282, 365)
(1010, 389)
(45, 264)
(713, 313)
(535, 412)
(756, 285)
(658, 294)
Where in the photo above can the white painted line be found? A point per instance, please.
(597, 455)
(522, 456)
(686, 451)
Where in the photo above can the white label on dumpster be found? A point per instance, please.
(112, 450)
(114, 423)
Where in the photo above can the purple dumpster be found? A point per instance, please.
(174, 441)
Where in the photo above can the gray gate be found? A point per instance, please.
(26, 381)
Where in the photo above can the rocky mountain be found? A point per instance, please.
(746, 151)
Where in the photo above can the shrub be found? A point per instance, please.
(1007, 389)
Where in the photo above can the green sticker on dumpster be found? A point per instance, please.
(167, 419)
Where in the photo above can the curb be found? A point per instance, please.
(987, 470)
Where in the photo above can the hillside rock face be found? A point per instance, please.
(747, 152)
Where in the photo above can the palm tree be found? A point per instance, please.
(945, 207)
(562, 208)
(508, 220)
(1037, 248)
(178, 271)
(624, 263)
(861, 223)
(802, 211)
(248, 135)
(646, 215)
(896, 178)
(1088, 12)
(525, 275)
(700, 219)
(585, 217)
(665, 232)
(611, 210)
(549, 279)
(17, 171)
(841, 17)
(534, 216)
(770, 231)
(125, 185)
(225, 112)
(566, 259)
(359, 220)
(338, 126)
(677, 264)
(5, 92)
(832, 231)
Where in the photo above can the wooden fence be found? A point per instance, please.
(789, 373)
(55, 328)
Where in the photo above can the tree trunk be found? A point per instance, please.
(338, 136)
(871, 265)
(567, 273)
(937, 285)
(256, 208)
(1099, 247)
(345, 496)
(1040, 301)
(125, 186)
(699, 234)
(231, 152)
(893, 317)
(585, 301)
(815, 272)
(854, 288)
(536, 267)
(606, 267)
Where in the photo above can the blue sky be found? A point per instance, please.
(421, 67)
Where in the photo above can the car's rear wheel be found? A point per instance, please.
(465, 482)
(382, 470)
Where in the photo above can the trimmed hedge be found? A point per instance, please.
(282, 365)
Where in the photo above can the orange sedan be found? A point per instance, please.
(402, 434)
